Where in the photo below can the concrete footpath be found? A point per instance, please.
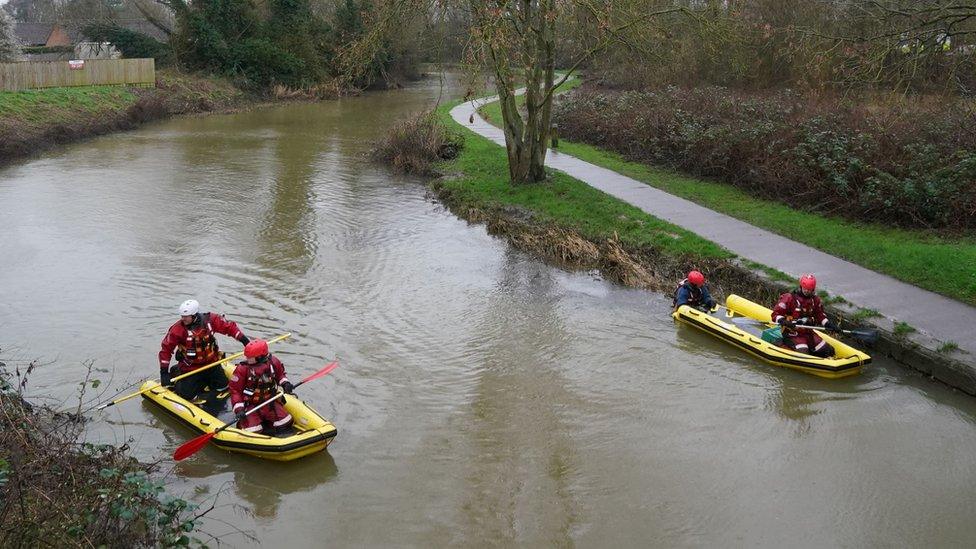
(938, 317)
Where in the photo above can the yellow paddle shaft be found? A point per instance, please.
(190, 373)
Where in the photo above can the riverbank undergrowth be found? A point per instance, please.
(56, 491)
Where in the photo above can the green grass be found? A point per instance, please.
(563, 200)
(864, 314)
(56, 104)
(772, 273)
(832, 299)
(939, 264)
(64, 105)
(902, 329)
(948, 347)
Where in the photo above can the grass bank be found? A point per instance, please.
(36, 120)
(937, 263)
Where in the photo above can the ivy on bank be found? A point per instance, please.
(55, 490)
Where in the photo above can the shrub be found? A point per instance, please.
(415, 144)
(264, 64)
(903, 162)
(55, 490)
(147, 108)
(48, 49)
(132, 44)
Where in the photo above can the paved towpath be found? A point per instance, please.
(937, 316)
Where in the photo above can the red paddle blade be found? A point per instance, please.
(328, 368)
(193, 446)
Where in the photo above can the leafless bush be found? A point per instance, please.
(417, 143)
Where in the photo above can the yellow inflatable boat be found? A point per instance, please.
(311, 433)
(754, 337)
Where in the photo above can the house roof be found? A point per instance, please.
(143, 27)
(37, 34)
(33, 34)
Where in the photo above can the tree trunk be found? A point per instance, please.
(514, 129)
(527, 139)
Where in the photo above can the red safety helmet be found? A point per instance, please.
(256, 348)
(696, 278)
(808, 283)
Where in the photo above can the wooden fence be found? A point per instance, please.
(93, 72)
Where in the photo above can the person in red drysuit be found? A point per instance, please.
(255, 381)
(803, 307)
(192, 340)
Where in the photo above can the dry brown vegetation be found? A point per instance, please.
(414, 144)
(634, 266)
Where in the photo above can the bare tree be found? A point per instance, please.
(901, 44)
(9, 49)
(158, 14)
(33, 10)
(515, 40)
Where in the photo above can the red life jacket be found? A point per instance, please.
(804, 306)
(200, 346)
(260, 384)
(801, 306)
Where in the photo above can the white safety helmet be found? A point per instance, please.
(189, 307)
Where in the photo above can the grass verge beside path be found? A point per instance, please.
(934, 263)
(562, 200)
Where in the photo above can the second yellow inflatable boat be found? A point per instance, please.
(748, 336)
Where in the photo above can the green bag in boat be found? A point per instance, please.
(772, 335)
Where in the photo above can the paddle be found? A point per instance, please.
(867, 336)
(194, 446)
(188, 374)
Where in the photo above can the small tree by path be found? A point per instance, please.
(515, 41)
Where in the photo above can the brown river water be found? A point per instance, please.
(483, 399)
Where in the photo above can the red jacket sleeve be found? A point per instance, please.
(783, 308)
(279, 370)
(170, 341)
(236, 386)
(221, 325)
(818, 311)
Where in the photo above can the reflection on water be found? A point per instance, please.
(521, 490)
(264, 488)
(792, 395)
(483, 398)
(260, 484)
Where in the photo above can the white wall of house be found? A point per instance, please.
(96, 50)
